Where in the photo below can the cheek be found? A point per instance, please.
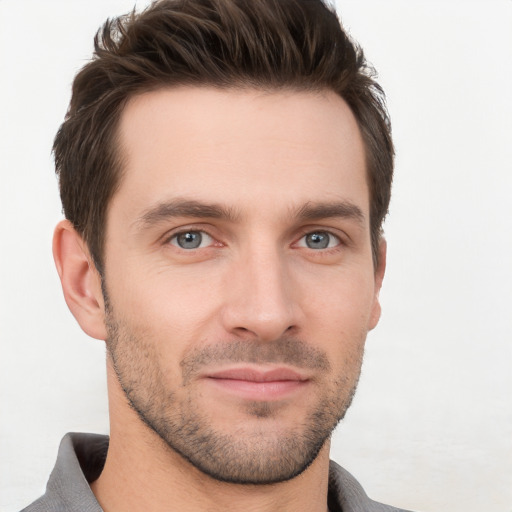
(339, 316)
(172, 308)
(343, 300)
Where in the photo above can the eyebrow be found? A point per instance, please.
(310, 211)
(184, 208)
(343, 209)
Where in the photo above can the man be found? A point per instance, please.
(225, 168)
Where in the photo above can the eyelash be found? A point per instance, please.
(339, 241)
(331, 237)
(202, 232)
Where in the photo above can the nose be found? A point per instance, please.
(262, 300)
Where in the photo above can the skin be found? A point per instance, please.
(277, 167)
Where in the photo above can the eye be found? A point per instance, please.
(191, 240)
(319, 240)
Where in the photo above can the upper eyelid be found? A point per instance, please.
(209, 230)
(177, 234)
(338, 233)
(172, 233)
(310, 232)
(183, 231)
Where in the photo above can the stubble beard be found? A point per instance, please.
(255, 456)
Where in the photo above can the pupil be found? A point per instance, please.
(190, 240)
(317, 240)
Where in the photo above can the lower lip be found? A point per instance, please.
(263, 391)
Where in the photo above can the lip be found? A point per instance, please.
(258, 383)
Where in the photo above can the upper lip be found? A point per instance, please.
(258, 374)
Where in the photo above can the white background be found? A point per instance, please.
(431, 426)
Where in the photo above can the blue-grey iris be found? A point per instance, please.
(189, 240)
(318, 240)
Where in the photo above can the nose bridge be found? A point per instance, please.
(263, 301)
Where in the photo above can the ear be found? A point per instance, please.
(81, 282)
(379, 277)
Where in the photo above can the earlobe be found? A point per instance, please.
(81, 282)
(380, 270)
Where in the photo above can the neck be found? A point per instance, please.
(142, 473)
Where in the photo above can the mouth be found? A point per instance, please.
(258, 384)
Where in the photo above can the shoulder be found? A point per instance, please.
(346, 494)
(79, 461)
(40, 505)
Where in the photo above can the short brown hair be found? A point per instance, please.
(270, 44)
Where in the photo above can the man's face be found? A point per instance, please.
(238, 273)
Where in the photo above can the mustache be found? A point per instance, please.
(291, 351)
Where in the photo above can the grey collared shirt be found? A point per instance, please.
(82, 456)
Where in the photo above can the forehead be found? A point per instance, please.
(240, 147)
